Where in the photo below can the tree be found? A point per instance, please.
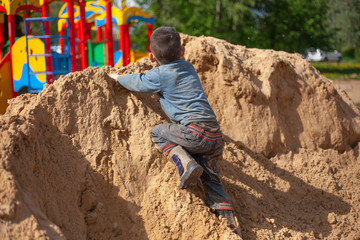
(343, 19)
(138, 37)
(226, 19)
(292, 25)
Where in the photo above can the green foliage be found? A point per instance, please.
(357, 54)
(227, 19)
(138, 37)
(343, 24)
(348, 51)
(290, 25)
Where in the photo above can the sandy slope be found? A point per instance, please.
(77, 161)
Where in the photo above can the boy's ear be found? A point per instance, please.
(182, 51)
(152, 57)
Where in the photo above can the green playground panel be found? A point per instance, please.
(96, 54)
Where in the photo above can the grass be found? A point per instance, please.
(346, 70)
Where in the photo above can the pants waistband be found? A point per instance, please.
(208, 136)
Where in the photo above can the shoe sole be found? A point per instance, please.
(191, 177)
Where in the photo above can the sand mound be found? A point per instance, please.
(77, 161)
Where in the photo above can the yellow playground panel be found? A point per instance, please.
(20, 62)
(20, 69)
(5, 83)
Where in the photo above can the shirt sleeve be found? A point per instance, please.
(141, 82)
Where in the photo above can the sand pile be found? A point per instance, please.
(77, 161)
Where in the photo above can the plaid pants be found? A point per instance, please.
(205, 147)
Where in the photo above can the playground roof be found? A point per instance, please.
(127, 15)
(95, 11)
(11, 7)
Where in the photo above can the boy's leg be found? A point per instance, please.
(169, 139)
(168, 136)
(215, 193)
(214, 190)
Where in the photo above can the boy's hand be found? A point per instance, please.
(114, 76)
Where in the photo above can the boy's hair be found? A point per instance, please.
(165, 44)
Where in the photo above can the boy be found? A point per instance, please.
(193, 140)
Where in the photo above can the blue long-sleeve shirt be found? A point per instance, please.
(179, 89)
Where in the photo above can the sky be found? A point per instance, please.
(129, 3)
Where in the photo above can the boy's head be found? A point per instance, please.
(165, 45)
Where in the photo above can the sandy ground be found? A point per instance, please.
(77, 160)
(351, 87)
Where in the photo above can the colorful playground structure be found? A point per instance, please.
(32, 61)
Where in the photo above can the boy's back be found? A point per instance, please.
(179, 88)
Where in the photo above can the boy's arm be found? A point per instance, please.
(138, 82)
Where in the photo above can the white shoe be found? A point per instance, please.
(189, 170)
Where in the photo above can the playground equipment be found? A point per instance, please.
(95, 15)
(30, 61)
(38, 66)
(124, 18)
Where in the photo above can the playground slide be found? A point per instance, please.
(5, 83)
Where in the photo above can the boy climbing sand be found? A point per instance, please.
(193, 140)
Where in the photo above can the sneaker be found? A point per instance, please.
(189, 170)
(231, 220)
(191, 176)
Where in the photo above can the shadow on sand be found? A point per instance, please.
(302, 208)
